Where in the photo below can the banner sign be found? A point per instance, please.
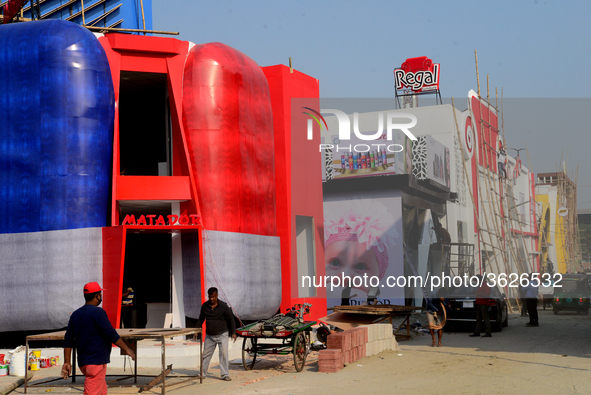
(360, 159)
(158, 220)
(418, 74)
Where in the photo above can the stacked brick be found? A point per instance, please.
(343, 348)
(330, 361)
(380, 338)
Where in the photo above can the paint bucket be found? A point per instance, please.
(34, 364)
(2, 359)
(36, 353)
(3, 370)
(44, 363)
(53, 361)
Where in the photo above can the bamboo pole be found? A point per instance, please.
(143, 19)
(83, 21)
(477, 76)
(497, 100)
(487, 90)
(503, 115)
(115, 29)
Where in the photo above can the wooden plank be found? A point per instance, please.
(347, 321)
(157, 380)
(120, 21)
(126, 333)
(58, 8)
(109, 29)
(377, 309)
(101, 17)
(85, 9)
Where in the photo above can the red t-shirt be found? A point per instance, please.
(483, 294)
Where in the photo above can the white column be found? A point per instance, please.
(423, 262)
(178, 306)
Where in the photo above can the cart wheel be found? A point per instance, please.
(249, 352)
(300, 351)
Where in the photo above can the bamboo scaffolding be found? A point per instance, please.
(492, 207)
(476, 215)
(481, 195)
(507, 226)
(501, 220)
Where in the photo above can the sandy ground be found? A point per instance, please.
(551, 359)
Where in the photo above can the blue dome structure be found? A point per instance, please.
(56, 128)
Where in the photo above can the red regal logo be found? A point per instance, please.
(418, 74)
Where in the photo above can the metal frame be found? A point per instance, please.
(436, 92)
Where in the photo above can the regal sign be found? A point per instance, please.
(418, 74)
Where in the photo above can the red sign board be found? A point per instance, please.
(418, 74)
(158, 220)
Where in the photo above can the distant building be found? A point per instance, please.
(448, 176)
(556, 196)
(584, 217)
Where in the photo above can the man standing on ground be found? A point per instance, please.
(90, 331)
(531, 293)
(523, 298)
(220, 325)
(482, 302)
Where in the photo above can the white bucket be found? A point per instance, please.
(3, 370)
(17, 362)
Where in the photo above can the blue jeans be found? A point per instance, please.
(209, 347)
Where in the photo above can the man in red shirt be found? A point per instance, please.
(482, 303)
(90, 331)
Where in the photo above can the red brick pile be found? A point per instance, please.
(343, 348)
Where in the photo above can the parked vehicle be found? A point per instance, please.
(462, 301)
(571, 294)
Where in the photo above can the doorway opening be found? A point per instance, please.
(148, 271)
(144, 125)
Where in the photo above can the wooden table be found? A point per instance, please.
(385, 310)
(128, 335)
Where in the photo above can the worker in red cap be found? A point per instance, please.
(90, 331)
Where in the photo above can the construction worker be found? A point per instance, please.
(90, 331)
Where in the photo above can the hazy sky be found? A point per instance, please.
(530, 49)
